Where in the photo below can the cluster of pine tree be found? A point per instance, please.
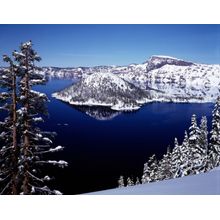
(198, 153)
(23, 146)
(129, 182)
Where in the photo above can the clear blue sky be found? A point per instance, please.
(90, 45)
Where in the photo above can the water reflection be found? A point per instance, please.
(97, 112)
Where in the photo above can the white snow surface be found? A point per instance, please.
(99, 78)
(194, 83)
(166, 57)
(200, 184)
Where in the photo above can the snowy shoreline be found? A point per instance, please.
(118, 107)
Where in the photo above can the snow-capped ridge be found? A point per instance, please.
(156, 62)
(167, 58)
(164, 57)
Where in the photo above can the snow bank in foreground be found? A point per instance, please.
(200, 184)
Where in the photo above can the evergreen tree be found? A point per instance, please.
(185, 161)
(214, 146)
(150, 171)
(154, 168)
(137, 181)
(196, 149)
(25, 110)
(164, 167)
(204, 134)
(204, 144)
(176, 159)
(146, 174)
(121, 182)
(8, 130)
(130, 182)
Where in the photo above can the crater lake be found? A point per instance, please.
(101, 144)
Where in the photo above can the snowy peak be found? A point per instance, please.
(164, 57)
(168, 59)
(96, 80)
(157, 61)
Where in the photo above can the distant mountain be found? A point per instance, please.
(179, 80)
(156, 62)
(104, 89)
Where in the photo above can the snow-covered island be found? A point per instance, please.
(104, 89)
(161, 79)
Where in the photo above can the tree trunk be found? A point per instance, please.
(26, 187)
(15, 145)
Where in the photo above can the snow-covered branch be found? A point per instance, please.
(60, 163)
(44, 190)
(56, 149)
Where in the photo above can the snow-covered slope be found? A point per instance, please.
(181, 81)
(104, 89)
(200, 184)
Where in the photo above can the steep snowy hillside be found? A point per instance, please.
(181, 81)
(200, 184)
(104, 89)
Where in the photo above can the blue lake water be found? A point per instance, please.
(99, 151)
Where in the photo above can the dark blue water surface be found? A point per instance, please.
(98, 152)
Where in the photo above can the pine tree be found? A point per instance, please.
(164, 167)
(185, 161)
(8, 133)
(176, 159)
(150, 170)
(204, 144)
(130, 182)
(214, 146)
(204, 134)
(121, 182)
(146, 174)
(137, 181)
(25, 110)
(196, 149)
